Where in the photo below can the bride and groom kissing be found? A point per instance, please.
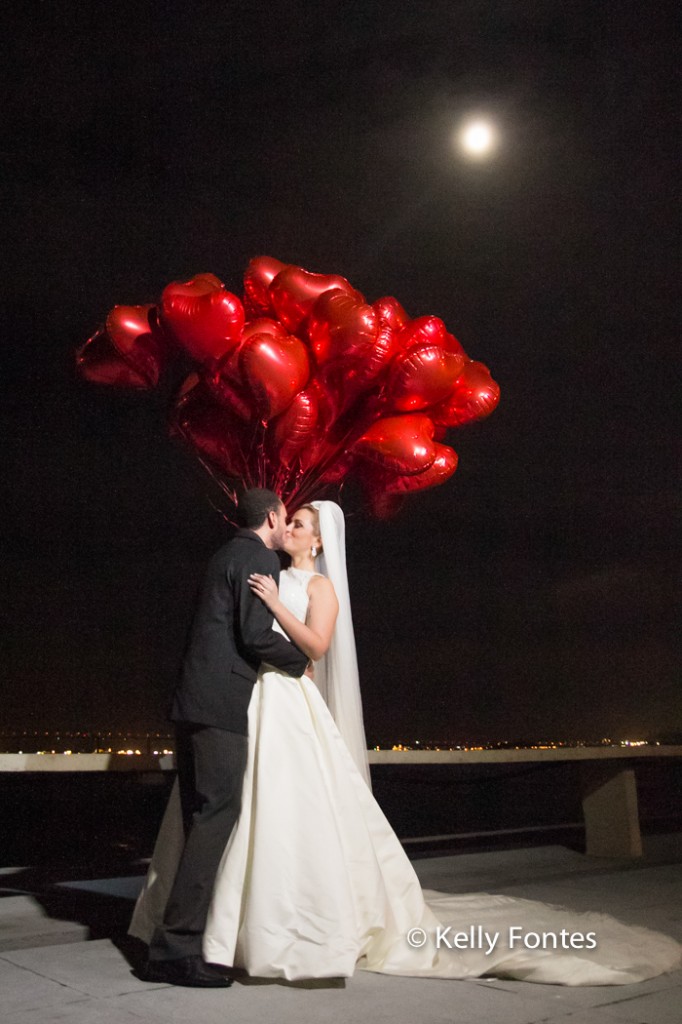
(273, 855)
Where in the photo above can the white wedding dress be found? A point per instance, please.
(314, 882)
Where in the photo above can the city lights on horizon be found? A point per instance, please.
(434, 745)
(158, 744)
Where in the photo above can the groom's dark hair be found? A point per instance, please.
(254, 505)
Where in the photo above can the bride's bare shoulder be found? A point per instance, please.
(321, 588)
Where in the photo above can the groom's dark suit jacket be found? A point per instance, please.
(230, 636)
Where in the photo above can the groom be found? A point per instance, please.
(231, 635)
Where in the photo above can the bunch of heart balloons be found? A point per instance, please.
(299, 383)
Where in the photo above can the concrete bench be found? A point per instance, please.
(609, 786)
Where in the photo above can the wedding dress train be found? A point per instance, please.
(314, 882)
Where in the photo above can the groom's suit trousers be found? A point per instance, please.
(211, 764)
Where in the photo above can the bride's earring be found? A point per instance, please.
(313, 551)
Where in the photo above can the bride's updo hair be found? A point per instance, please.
(316, 522)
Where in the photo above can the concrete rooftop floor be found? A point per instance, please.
(64, 955)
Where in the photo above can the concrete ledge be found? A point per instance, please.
(520, 756)
(85, 762)
(164, 762)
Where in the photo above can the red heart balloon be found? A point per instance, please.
(295, 428)
(274, 369)
(379, 356)
(400, 444)
(341, 327)
(228, 390)
(391, 312)
(227, 385)
(320, 445)
(346, 379)
(139, 340)
(421, 377)
(451, 344)
(294, 292)
(98, 361)
(264, 325)
(474, 396)
(425, 330)
(212, 430)
(205, 318)
(257, 279)
(442, 467)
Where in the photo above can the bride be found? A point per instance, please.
(313, 882)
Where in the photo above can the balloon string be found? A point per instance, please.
(224, 487)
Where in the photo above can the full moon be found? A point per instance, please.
(478, 138)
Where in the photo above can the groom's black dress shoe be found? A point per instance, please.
(192, 971)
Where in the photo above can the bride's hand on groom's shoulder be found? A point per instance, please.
(265, 588)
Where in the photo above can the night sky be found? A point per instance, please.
(531, 595)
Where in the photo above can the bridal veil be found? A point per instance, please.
(336, 675)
